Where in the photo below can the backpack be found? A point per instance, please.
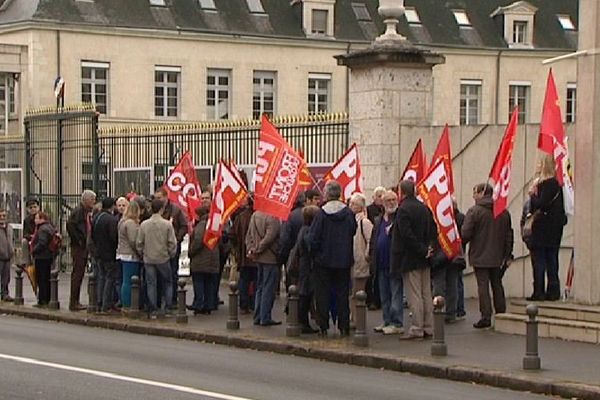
(55, 242)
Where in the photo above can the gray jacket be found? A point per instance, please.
(128, 231)
(262, 238)
(6, 243)
(156, 240)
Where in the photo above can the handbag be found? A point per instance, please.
(531, 218)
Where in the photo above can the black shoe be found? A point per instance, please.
(323, 333)
(344, 332)
(307, 330)
(270, 323)
(536, 297)
(482, 324)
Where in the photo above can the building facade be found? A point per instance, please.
(151, 61)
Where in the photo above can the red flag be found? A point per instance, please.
(346, 171)
(416, 168)
(500, 173)
(229, 191)
(552, 132)
(442, 152)
(306, 179)
(278, 168)
(183, 186)
(434, 189)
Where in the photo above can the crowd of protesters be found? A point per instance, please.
(328, 248)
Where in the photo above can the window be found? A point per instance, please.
(571, 102)
(94, 84)
(264, 92)
(218, 93)
(318, 93)
(166, 91)
(361, 11)
(519, 96)
(255, 6)
(160, 3)
(7, 96)
(566, 23)
(412, 17)
(520, 32)
(207, 4)
(87, 177)
(319, 22)
(461, 17)
(470, 102)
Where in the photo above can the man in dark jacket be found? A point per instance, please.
(413, 236)
(331, 239)
(289, 235)
(79, 225)
(180, 224)
(375, 209)
(33, 206)
(490, 247)
(246, 267)
(105, 234)
(6, 254)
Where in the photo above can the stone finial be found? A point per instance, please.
(391, 11)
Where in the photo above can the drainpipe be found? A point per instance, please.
(348, 81)
(497, 105)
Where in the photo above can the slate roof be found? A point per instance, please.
(281, 19)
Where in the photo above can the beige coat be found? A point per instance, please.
(156, 240)
(360, 269)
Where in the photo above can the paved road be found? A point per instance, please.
(46, 360)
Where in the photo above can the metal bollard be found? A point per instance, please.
(532, 359)
(54, 304)
(233, 321)
(19, 288)
(181, 317)
(134, 305)
(293, 327)
(360, 335)
(92, 300)
(438, 345)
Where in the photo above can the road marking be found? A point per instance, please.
(110, 375)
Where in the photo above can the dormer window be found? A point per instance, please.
(517, 19)
(255, 6)
(566, 23)
(461, 17)
(412, 17)
(207, 4)
(520, 32)
(158, 3)
(319, 22)
(361, 11)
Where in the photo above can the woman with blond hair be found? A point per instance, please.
(362, 237)
(127, 254)
(547, 206)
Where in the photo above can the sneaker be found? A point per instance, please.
(379, 329)
(461, 317)
(8, 299)
(482, 324)
(393, 330)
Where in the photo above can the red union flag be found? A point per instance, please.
(346, 171)
(416, 168)
(500, 173)
(183, 186)
(552, 132)
(278, 169)
(229, 191)
(434, 189)
(442, 152)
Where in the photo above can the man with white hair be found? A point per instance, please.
(331, 238)
(375, 209)
(79, 225)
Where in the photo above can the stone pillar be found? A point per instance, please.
(391, 84)
(587, 168)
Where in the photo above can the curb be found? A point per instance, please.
(431, 369)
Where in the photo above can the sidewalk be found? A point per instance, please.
(569, 369)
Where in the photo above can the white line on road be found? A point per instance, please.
(110, 375)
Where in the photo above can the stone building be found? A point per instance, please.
(162, 60)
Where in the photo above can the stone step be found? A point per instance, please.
(577, 331)
(558, 310)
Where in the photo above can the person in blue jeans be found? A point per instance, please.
(129, 225)
(391, 289)
(262, 243)
(157, 244)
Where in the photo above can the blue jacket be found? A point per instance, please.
(331, 236)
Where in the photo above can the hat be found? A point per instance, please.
(32, 201)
